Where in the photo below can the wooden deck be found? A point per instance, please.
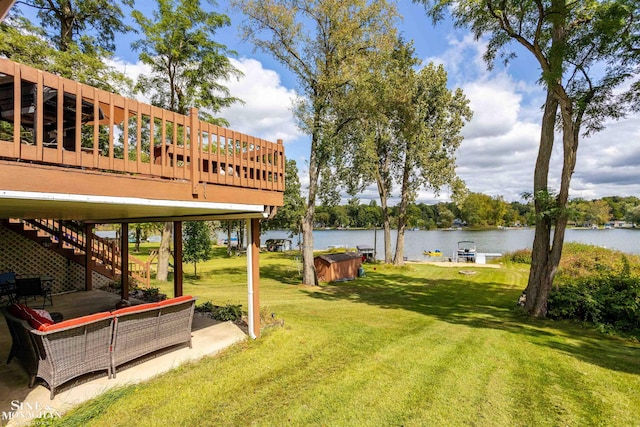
(57, 135)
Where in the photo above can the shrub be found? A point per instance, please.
(150, 293)
(228, 312)
(206, 307)
(223, 313)
(580, 260)
(610, 300)
(521, 256)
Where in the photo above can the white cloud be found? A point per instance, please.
(463, 59)
(266, 112)
(501, 142)
(495, 104)
(133, 71)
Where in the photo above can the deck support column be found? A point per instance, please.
(177, 258)
(88, 255)
(124, 260)
(253, 276)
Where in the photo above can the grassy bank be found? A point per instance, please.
(421, 345)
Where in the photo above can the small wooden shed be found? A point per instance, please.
(335, 267)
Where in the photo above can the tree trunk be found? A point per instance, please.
(164, 252)
(308, 268)
(228, 238)
(382, 178)
(398, 258)
(539, 273)
(138, 235)
(570, 135)
(66, 17)
(386, 226)
(546, 254)
(240, 236)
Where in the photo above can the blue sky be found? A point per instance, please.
(498, 154)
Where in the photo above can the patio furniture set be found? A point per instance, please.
(16, 288)
(59, 352)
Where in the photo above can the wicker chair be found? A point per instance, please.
(141, 330)
(22, 346)
(67, 352)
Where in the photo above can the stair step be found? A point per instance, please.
(34, 232)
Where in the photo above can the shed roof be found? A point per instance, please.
(346, 256)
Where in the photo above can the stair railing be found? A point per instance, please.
(106, 251)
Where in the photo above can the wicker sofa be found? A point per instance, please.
(62, 351)
(143, 329)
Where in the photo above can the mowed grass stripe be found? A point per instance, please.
(389, 376)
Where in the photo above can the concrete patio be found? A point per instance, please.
(19, 404)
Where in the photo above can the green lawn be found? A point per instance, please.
(421, 345)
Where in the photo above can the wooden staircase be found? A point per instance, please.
(67, 238)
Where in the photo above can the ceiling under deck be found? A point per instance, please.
(88, 208)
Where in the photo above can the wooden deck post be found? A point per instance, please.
(124, 260)
(194, 149)
(88, 254)
(177, 258)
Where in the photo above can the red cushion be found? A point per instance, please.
(134, 308)
(17, 310)
(175, 300)
(75, 322)
(34, 318)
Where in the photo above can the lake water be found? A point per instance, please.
(491, 241)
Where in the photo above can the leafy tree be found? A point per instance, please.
(429, 137)
(78, 52)
(633, 216)
(407, 134)
(338, 216)
(328, 46)
(89, 24)
(585, 50)
(186, 69)
(197, 243)
(445, 217)
(321, 216)
(141, 231)
(475, 210)
(187, 65)
(375, 150)
(601, 211)
(289, 216)
(22, 42)
(619, 206)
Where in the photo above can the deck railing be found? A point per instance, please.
(61, 122)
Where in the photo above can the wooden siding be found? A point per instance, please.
(334, 267)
